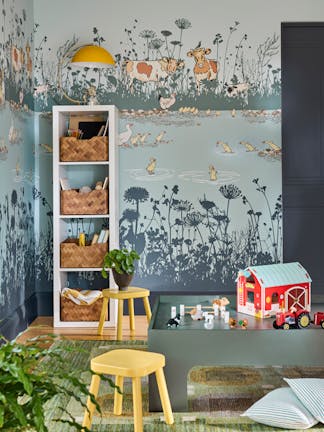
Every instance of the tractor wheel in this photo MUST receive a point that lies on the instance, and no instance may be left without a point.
(322, 324)
(303, 320)
(286, 326)
(275, 325)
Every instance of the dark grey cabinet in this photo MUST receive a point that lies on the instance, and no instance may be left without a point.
(302, 59)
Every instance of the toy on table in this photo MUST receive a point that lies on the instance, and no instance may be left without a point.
(232, 322)
(174, 321)
(297, 319)
(196, 314)
(209, 321)
(243, 324)
(264, 290)
(221, 303)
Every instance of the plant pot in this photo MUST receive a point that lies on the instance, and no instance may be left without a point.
(122, 280)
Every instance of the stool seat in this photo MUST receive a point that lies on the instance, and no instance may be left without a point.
(130, 292)
(127, 363)
(133, 364)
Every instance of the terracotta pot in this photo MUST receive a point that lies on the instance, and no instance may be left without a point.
(122, 280)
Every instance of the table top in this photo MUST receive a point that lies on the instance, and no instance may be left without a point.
(162, 313)
(131, 292)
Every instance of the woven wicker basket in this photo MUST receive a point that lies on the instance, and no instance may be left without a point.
(76, 150)
(75, 256)
(94, 202)
(70, 311)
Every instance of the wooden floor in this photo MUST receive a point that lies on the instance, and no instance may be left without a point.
(44, 326)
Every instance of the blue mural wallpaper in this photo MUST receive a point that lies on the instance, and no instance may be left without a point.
(199, 139)
(17, 219)
(199, 134)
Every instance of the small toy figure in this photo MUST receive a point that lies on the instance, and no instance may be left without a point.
(174, 321)
(243, 323)
(209, 322)
(232, 323)
(221, 301)
(196, 314)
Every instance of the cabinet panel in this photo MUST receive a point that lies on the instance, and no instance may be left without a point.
(303, 147)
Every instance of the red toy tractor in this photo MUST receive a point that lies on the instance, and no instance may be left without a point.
(297, 319)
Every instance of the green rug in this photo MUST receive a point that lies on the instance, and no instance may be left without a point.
(216, 395)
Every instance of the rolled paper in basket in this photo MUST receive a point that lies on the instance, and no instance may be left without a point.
(82, 239)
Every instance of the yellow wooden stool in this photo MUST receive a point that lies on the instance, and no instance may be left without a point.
(130, 294)
(133, 364)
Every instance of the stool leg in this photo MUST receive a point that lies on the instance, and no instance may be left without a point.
(137, 404)
(164, 396)
(94, 388)
(131, 314)
(147, 308)
(118, 398)
(120, 320)
(102, 315)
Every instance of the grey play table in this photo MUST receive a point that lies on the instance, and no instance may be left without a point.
(191, 345)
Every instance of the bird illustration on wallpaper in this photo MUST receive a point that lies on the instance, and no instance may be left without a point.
(249, 147)
(226, 148)
(167, 102)
(124, 136)
(14, 135)
(212, 173)
(3, 150)
(151, 166)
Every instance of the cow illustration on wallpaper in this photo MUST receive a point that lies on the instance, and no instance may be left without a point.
(204, 69)
(151, 71)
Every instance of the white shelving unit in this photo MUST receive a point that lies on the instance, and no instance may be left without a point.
(61, 116)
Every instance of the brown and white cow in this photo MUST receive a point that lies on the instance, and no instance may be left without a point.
(151, 70)
(204, 69)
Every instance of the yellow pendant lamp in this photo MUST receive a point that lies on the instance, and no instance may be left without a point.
(92, 56)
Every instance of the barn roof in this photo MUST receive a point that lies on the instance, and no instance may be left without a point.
(280, 274)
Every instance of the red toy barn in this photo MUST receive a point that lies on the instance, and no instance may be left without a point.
(264, 290)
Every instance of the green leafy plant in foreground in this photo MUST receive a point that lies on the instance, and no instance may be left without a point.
(121, 260)
(27, 382)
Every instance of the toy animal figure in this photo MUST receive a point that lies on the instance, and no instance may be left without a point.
(232, 323)
(196, 314)
(151, 166)
(212, 173)
(174, 321)
(221, 302)
(243, 323)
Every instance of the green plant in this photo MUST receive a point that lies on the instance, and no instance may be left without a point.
(121, 260)
(26, 384)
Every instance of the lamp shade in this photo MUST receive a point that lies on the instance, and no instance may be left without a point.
(92, 56)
